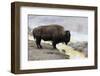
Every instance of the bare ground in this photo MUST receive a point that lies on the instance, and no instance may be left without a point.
(46, 53)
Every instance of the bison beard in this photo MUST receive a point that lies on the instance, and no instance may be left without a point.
(54, 33)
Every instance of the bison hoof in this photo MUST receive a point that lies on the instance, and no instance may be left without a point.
(39, 47)
(54, 48)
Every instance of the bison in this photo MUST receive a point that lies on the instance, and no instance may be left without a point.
(54, 33)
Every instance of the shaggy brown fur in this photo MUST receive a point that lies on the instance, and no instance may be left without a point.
(54, 33)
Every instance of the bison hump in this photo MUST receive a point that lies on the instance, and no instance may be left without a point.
(49, 30)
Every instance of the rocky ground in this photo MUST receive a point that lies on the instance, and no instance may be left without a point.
(47, 53)
(71, 51)
(80, 47)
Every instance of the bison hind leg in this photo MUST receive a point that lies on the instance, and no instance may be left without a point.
(40, 46)
(54, 45)
(38, 41)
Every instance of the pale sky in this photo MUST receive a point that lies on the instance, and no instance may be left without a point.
(72, 23)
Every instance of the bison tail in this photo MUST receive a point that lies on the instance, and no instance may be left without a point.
(33, 34)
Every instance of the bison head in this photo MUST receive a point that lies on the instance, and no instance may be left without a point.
(67, 36)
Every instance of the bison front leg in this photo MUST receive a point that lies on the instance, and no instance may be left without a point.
(66, 43)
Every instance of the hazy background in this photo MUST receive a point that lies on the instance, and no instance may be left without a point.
(77, 47)
(78, 26)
